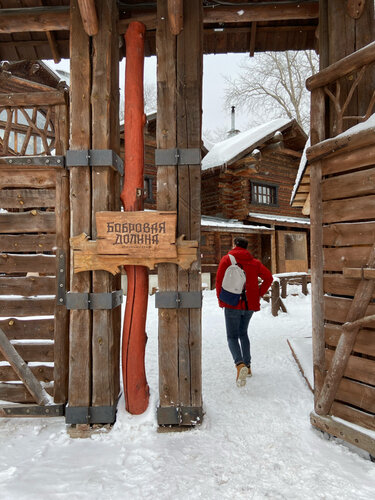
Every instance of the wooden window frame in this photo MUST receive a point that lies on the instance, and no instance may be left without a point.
(273, 193)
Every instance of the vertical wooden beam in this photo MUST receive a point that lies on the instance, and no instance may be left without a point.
(166, 138)
(175, 16)
(89, 16)
(61, 328)
(179, 125)
(104, 107)
(316, 247)
(253, 35)
(189, 123)
(80, 206)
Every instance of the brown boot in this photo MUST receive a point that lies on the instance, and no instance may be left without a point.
(242, 371)
(249, 374)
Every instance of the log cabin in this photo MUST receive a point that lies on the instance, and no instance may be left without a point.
(249, 177)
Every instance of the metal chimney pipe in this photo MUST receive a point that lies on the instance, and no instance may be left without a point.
(233, 119)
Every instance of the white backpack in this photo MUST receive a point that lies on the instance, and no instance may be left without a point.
(233, 283)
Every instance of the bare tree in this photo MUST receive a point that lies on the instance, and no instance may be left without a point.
(149, 93)
(272, 84)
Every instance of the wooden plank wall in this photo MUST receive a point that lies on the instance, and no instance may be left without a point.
(348, 236)
(28, 240)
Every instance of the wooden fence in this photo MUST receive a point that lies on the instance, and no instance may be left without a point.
(34, 223)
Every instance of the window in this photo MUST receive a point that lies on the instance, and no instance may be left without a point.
(264, 194)
(147, 186)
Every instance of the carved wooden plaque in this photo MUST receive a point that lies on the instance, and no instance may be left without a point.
(141, 234)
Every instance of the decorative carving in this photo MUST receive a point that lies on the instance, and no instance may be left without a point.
(27, 130)
(340, 109)
(86, 256)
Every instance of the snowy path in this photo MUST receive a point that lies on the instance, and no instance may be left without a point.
(255, 443)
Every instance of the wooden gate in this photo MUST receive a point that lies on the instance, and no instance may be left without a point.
(343, 248)
(34, 228)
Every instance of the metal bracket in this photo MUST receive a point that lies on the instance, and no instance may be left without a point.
(94, 158)
(75, 300)
(90, 414)
(178, 300)
(47, 161)
(181, 415)
(94, 301)
(25, 410)
(61, 277)
(176, 156)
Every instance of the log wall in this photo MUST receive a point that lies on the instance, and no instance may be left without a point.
(229, 196)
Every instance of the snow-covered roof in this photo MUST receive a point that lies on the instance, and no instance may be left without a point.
(301, 170)
(223, 152)
(280, 218)
(229, 223)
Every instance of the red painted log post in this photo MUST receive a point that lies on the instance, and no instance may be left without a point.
(134, 337)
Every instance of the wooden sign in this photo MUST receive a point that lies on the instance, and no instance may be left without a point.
(140, 234)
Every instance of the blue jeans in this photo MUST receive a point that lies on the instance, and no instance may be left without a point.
(237, 322)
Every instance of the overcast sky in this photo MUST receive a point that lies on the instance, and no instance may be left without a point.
(215, 67)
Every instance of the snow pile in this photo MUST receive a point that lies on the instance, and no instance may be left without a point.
(255, 442)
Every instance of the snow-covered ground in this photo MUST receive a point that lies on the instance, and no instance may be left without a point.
(256, 442)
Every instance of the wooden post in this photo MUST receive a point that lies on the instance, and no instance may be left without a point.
(136, 390)
(304, 285)
(62, 211)
(80, 207)
(273, 252)
(316, 247)
(275, 298)
(284, 285)
(105, 390)
(179, 125)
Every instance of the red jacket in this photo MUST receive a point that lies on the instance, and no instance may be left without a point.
(253, 269)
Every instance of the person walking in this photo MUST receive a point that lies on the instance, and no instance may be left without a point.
(237, 317)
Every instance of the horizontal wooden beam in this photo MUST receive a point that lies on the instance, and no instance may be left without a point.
(34, 19)
(33, 99)
(336, 145)
(359, 272)
(251, 13)
(57, 18)
(341, 68)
